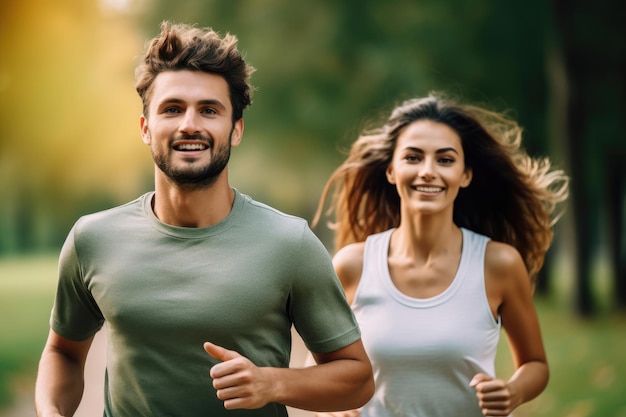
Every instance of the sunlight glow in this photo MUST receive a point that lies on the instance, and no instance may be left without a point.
(115, 5)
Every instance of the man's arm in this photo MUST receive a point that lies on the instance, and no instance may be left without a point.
(341, 380)
(60, 378)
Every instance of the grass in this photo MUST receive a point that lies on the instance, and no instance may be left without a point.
(587, 357)
(26, 295)
(587, 365)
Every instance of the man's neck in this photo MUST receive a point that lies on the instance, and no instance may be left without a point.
(202, 207)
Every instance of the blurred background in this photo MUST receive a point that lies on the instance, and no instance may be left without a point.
(70, 144)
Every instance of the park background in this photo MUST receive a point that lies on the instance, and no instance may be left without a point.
(70, 144)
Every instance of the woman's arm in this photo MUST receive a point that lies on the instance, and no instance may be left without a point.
(510, 291)
(348, 264)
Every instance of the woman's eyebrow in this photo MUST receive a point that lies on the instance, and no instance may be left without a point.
(420, 150)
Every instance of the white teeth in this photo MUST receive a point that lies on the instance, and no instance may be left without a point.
(191, 147)
(429, 189)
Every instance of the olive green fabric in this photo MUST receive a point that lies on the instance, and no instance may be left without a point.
(162, 291)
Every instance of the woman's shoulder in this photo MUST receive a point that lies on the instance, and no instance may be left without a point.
(349, 256)
(505, 270)
(348, 263)
(502, 257)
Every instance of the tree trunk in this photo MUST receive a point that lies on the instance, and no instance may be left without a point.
(616, 211)
(574, 125)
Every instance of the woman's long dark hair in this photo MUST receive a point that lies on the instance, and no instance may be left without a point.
(512, 198)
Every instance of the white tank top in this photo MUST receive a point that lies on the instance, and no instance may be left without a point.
(425, 351)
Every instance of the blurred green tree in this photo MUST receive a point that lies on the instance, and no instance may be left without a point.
(68, 138)
(67, 107)
(590, 53)
(325, 66)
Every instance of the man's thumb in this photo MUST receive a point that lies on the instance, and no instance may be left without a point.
(219, 352)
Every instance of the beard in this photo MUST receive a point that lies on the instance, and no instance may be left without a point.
(196, 177)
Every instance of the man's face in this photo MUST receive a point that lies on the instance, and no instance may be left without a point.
(189, 127)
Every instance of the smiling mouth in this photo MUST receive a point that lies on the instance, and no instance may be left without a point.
(429, 189)
(191, 147)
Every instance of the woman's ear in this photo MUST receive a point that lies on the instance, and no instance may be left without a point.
(389, 175)
(467, 177)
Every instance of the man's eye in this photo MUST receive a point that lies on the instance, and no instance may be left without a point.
(171, 110)
(209, 110)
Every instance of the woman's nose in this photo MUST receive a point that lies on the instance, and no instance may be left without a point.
(427, 169)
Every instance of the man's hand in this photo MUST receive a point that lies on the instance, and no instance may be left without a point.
(239, 383)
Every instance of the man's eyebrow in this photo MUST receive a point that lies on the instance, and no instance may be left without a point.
(207, 102)
(212, 102)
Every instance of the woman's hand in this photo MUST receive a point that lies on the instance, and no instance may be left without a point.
(494, 395)
(348, 413)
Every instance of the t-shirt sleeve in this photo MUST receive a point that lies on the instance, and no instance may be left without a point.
(321, 313)
(75, 314)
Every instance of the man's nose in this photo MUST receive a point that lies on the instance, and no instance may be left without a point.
(190, 123)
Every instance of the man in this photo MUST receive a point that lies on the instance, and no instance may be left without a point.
(198, 284)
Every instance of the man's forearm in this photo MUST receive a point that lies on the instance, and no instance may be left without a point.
(338, 385)
(59, 385)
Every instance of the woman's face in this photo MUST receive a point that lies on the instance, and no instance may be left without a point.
(428, 167)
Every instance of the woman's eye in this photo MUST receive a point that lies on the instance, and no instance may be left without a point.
(446, 160)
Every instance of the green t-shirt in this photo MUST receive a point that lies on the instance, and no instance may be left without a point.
(163, 290)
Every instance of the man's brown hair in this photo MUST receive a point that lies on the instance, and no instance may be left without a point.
(184, 47)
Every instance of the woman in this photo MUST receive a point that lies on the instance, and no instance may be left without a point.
(442, 222)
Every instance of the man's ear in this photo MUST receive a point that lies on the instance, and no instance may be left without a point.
(237, 133)
(468, 175)
(145, 132)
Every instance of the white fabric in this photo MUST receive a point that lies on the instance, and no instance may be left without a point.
(426, 351)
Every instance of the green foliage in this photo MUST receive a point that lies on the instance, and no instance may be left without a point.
(68, 114)
(324, 66)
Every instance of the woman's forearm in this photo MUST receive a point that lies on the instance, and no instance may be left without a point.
(528, 381)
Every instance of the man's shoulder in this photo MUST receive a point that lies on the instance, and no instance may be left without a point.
(265, 210)
(111, 217)
(270, 222)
